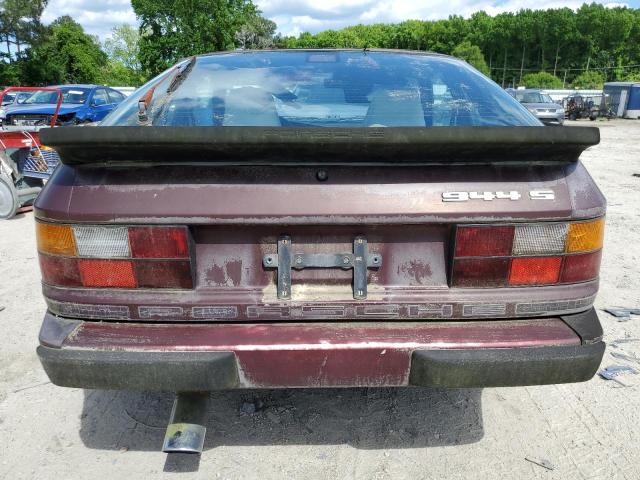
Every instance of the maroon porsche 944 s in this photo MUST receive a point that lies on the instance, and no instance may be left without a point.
(318, 218)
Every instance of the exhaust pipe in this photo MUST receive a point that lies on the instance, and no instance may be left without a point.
(186, 430)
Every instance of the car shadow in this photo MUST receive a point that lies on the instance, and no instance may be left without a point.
(365, 418)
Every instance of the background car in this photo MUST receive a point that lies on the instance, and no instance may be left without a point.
(540, 104)
(80, 104)
(12, 98)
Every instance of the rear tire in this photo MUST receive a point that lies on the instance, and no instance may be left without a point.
(9, 201)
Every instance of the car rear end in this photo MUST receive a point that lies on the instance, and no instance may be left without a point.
(268, 256)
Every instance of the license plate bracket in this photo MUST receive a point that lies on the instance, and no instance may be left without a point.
(359, 260)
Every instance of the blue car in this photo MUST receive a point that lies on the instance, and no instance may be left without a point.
(80, 104)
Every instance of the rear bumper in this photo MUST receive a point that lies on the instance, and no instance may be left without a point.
(224, 356)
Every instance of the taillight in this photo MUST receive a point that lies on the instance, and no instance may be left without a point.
(115, 256)
(527, 254)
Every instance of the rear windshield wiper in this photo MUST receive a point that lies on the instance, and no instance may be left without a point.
(181, 76)
(144, 104)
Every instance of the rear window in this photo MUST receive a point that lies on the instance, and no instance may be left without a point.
(323, 89)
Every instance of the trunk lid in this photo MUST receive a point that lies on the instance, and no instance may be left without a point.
(237, 212)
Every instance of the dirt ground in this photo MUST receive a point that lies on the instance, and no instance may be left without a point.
(589, 430)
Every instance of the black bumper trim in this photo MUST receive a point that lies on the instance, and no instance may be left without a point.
(586, 325)
(204, 371)
(505, 367)
(131, 370)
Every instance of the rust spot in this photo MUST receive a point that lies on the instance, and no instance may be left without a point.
(234, 271)
(416, 270)
(217, 275)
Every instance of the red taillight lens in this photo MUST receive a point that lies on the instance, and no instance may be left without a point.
(60, 271)
(106, 256)
(580, 268)
(483, 272)
(484, 241)
(159, 242)
(107, 273)
(535, 271)
(160, 274)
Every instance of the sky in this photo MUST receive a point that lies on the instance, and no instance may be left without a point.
(296, 16)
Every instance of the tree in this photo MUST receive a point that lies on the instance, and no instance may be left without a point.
(590, 80)
(173, 29)
(123, 51)
(66, 54)
(258, 32)
(541, 80)
(472, 55)
(19, 25)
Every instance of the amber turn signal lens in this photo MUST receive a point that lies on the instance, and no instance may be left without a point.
(55, 239)
(585, 236)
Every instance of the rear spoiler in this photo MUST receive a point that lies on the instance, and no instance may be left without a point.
(283, 145)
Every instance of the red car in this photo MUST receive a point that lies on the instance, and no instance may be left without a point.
(318, 219)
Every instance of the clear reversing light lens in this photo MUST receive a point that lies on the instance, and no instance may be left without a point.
(102, 242)
(540, 239)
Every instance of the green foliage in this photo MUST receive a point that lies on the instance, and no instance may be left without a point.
(541, 80)
(123, 67)
(174, 29)
(472, 55)
(65, 54)
(584, 47)
(559, 41)
(631, 77)
(19, 26)
(258, 32)
(9, 74)
(590, 80)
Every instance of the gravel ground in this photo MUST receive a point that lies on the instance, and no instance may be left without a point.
(589, 430)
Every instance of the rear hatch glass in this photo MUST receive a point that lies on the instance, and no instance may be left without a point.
(323, 89)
